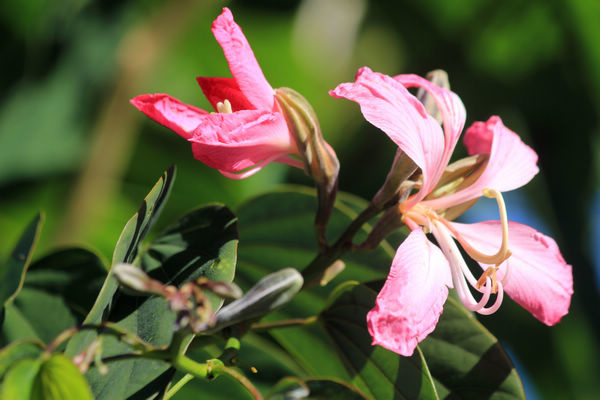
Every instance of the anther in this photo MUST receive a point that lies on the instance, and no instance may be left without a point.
(224, 107)
(488, 273)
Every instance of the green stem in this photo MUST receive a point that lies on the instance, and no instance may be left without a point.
(241, 379)
(314, 271)
(263, 326)
(176, 387)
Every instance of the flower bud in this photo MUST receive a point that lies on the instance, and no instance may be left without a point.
(320, 161)
(136, 280)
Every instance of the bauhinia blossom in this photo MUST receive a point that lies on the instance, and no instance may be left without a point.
(515, 258)
(248, 131)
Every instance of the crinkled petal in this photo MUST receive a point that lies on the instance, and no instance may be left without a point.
(412, 299)
(451, 108)
(242, 63)
(170, 112)
(511, 164)
(218, 90)
(537, 277)
(240, 140)
(389, 106)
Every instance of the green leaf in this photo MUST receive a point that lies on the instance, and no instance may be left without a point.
(379, 373)
(138, 226)
(466, 360)
(19, 380)
(12, 273)
(57, 292)
(126, 250)
(16, 352)
(59, 379)
(289, 388)
(202, 243)
(332, 389)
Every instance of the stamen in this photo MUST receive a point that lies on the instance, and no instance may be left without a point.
(497, 303)
(224, 107)
(461, 274)
(503, 253)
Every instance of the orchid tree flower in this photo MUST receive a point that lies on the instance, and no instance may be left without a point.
(248, 130)
(515, 258)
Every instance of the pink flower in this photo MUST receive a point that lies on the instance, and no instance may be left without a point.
(247, 131)
(515, 258)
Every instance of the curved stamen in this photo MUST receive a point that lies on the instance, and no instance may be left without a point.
(458, 269)
(497, 303)
(503, 252)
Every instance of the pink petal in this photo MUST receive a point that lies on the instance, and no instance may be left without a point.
(170, 112)
(240, 140)
(389, 106)
(242, 63)
(538, 277)
(220, 89)
(511, 165)
(450, 106)
(412, 299)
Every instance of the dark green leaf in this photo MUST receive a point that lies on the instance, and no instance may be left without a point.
(466, 360)
(332, 389)
(379, 373)
(12, 273)
(58, 291)
(19, 380)
(17, 351)
(59, 379)
(289, 388)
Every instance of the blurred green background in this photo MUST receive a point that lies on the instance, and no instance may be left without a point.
(72, 146)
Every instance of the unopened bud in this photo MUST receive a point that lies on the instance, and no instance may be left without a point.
(320, 161)
(270, 293)
(136, 280)
(225, 290)
(332, 271)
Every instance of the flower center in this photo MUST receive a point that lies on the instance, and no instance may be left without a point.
(224, 107)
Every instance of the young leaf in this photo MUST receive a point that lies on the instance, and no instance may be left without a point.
(19, 380)
(138, 226)
(16, 352)
(59, 379)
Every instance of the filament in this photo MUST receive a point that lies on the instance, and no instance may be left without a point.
(504, 252)
(461, 274)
